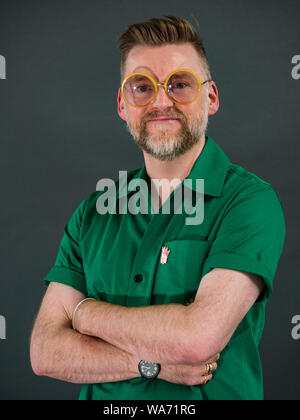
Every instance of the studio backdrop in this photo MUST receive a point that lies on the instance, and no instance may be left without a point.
(60, 134)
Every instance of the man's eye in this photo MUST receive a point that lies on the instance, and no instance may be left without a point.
(179, 85)
(143, 88)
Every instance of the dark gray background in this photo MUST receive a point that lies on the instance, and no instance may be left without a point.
(60, 133)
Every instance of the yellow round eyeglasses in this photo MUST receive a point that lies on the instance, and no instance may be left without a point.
(182, 87)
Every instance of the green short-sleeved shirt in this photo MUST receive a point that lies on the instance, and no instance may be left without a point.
(117, 258)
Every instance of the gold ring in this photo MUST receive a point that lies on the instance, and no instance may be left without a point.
(205, 380)
(209, 368)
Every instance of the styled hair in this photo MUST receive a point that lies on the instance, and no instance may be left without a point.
(159, 31)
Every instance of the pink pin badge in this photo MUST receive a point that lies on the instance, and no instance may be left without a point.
(164, 255)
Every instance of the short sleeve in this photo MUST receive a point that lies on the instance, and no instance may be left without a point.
(68, 267)
(251, 235)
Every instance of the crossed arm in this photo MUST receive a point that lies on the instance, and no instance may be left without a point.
(175, 333)
(111, 339)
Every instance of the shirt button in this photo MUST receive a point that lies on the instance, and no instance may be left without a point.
(138, 278)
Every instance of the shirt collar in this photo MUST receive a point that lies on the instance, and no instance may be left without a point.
(211, 165)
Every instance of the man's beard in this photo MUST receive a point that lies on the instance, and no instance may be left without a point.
(163, 145)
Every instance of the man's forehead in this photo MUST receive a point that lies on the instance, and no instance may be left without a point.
(162, 60)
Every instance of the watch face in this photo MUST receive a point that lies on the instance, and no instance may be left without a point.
(148, 369)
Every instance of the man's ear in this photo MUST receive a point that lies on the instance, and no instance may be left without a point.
(213, 99)
(121, 110)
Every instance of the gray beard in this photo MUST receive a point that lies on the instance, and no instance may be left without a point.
(161, 145)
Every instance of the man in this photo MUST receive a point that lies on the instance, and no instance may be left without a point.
(165, 297)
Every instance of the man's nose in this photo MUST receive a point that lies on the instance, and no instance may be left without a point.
(162, 100)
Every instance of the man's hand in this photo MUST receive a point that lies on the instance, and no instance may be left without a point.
(188, 374)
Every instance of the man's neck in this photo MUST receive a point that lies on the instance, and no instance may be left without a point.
(177, 169)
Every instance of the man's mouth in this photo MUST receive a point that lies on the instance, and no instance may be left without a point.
(163, 120)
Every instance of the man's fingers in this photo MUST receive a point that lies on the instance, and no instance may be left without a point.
(213, 367)
(206, 379)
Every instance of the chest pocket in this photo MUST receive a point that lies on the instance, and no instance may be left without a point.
(177, 280)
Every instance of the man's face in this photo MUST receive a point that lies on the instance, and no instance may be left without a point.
(164, 129)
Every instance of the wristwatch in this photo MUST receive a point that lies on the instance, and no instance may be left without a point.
(149, 370)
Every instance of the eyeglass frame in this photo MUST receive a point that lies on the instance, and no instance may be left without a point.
(165, 86)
